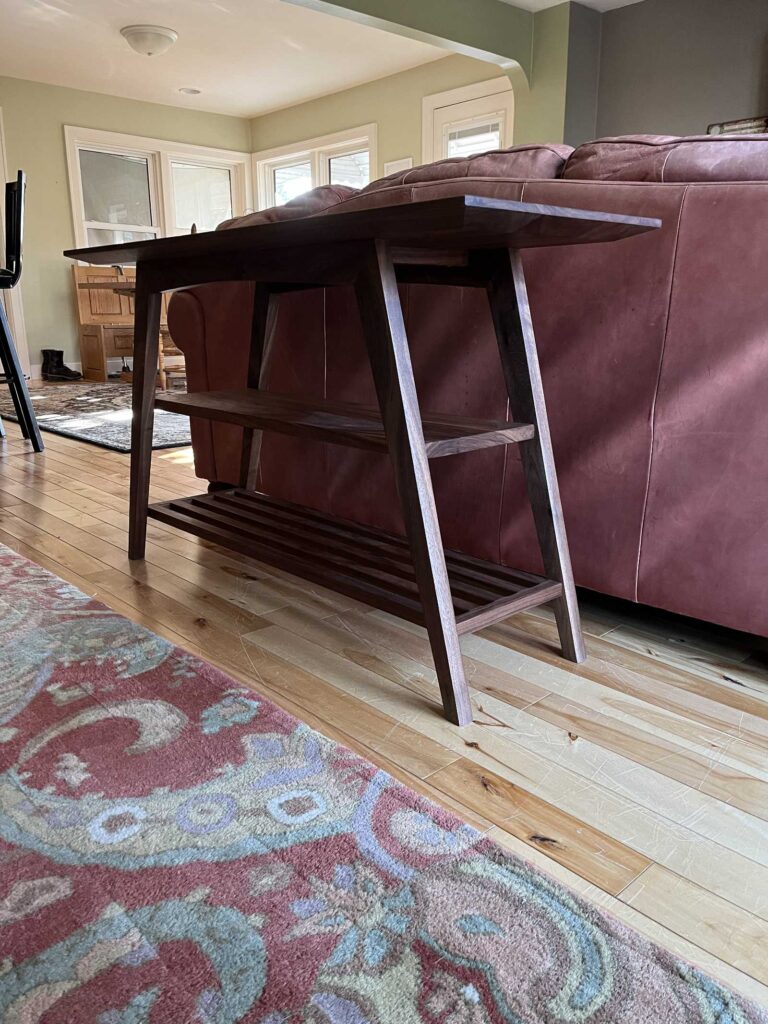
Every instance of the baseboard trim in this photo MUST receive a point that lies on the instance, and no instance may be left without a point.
(113, 366)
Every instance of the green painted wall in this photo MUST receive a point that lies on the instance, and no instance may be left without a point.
(540, 113)
(34, 116)
(394, 103)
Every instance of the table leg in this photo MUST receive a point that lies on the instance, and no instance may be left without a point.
(519, 358)
(145, 349)
(263, 324)
(387, 343)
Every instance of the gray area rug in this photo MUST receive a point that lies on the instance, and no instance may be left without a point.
(97, 413)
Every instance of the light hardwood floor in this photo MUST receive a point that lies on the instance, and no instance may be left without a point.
(640, 778)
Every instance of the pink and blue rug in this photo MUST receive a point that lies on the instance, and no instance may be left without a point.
(174, 848)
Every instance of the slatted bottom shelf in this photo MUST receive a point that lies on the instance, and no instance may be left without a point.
(367, 564)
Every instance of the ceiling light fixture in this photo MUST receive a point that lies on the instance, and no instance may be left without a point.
(150, 40)
(189, 91)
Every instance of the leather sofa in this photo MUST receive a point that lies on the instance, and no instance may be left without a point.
(654, 353)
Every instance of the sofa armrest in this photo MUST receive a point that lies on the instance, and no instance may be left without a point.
(197, 319)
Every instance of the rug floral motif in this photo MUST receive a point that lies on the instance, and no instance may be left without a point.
(175, 848)
(97, 413)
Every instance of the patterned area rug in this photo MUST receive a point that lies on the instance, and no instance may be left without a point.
(174, 848)
(97, 413)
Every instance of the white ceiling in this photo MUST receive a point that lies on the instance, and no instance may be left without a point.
(599, 5)
(246, 56)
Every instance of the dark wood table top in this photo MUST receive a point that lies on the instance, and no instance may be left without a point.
(456, 222)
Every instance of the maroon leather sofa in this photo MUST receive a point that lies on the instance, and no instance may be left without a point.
(654, 353)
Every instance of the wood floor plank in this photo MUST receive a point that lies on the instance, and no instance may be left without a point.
(624, 669)
(591, 854)
(728, 932)
(711, 665)
(520, 676)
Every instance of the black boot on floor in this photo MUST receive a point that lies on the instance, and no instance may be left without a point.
(54, 368)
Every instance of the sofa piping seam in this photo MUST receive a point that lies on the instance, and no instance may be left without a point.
(656, 396)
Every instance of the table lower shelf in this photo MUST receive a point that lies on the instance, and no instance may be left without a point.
(361, 562)
(343, 423)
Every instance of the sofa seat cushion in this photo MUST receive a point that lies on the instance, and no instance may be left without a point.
(317, 201)
(669, 158)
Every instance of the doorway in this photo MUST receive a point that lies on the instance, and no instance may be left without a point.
(473, 119)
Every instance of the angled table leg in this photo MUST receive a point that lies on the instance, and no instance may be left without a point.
(17, 385)
(263, 324)
(390, 359)
(146, 335)
(519, 358)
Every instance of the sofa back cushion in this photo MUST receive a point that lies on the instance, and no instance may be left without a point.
(669, 158)
(519, 162)
(316, 201)
(498, 174)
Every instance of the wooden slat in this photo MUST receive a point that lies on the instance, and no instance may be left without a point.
(369, 565)
(475, 568)
(355, 426)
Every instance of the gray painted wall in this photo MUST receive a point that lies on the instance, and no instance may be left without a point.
(675, 66)
(583, 74)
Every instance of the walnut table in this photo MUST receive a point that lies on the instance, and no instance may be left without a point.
(463, 240)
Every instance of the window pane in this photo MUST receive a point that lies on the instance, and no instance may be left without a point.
(115, 188)
(201, 196)
(478, 138)
(102, 236)
(292, 181)
(353, 169)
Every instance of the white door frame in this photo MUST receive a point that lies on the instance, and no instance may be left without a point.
(496, 92)
(14, 309)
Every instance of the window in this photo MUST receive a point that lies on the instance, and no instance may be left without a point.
(202, 195)
(345, 158)
(125, 188)
(353, 169)
(117, 203)
(462, 122)
(290, 181)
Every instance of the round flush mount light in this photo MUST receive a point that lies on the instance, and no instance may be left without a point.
(187, 90)
(150, 40)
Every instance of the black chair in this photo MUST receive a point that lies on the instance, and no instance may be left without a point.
(9, 277)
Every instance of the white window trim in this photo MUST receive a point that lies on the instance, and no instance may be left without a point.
(317, 151)
(159, 154)
(11, 297)
(498, 92)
